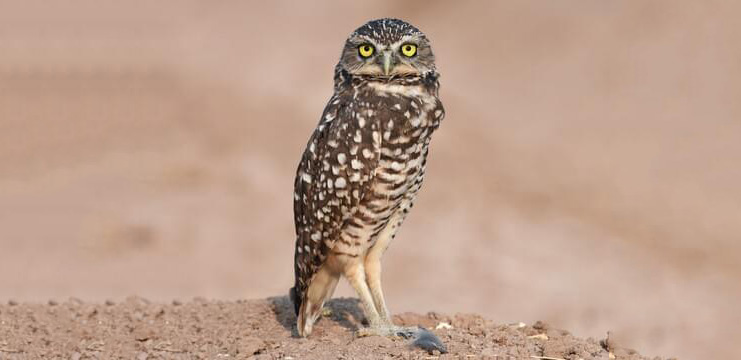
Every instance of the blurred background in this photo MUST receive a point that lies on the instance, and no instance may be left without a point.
(587, 173)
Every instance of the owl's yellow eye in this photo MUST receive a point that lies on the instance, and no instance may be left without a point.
(365, 50)
(409, 50)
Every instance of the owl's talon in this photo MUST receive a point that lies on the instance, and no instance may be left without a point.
(421, 337)
(407, 332)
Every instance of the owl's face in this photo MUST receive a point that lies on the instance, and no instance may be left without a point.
(386, 48)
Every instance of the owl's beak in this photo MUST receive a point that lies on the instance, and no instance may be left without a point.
(387, 62)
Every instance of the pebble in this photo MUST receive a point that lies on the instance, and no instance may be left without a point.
(200, 300)
(75, 301)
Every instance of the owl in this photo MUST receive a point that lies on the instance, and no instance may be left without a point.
(362, 168)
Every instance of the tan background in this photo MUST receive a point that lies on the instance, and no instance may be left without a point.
(587, 173)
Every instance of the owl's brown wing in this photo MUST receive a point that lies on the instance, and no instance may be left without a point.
(335, 173)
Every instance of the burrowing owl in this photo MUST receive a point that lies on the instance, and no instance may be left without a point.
(363, 167)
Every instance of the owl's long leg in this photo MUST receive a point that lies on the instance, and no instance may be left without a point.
(420, 337)
(373, 279)
(373, 266)
(321, 288)
(355, 274)
(372, 271)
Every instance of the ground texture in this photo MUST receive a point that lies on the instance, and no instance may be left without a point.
(263, 329)
(586, 174)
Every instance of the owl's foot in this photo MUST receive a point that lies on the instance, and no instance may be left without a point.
(387, 331)
(421, 337)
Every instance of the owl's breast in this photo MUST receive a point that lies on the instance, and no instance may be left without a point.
(401, 121)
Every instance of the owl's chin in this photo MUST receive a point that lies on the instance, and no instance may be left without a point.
(384, 77)
(397, 72)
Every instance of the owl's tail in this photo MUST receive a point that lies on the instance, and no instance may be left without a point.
(295, 299)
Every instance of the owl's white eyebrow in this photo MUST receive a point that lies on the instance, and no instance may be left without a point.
(365, 39)
(404, 40)
(409, 38)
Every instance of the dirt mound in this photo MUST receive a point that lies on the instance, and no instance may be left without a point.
(263, 329)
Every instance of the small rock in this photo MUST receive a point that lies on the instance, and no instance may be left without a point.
(143, 334)
(200, 300)
(251, 345)
(488, 352)
(110, 302)
(538, 336)
(12, 302)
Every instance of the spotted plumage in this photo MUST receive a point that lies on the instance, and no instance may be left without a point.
(363, 166)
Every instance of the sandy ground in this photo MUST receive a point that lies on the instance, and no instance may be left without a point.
(263, 329)
(586, 173)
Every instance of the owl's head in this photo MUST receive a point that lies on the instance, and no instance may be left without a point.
(386, 48)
